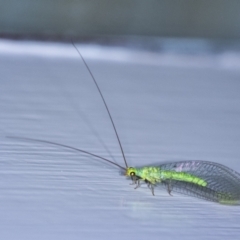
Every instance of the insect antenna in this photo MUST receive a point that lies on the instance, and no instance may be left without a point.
(109, 114)
(66, 146)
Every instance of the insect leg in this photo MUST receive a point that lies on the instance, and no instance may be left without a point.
(169, 188)
(135, 181)
(137, 184)
(168, 185)
(150, 186)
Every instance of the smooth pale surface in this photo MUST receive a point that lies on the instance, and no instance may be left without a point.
(166, 107)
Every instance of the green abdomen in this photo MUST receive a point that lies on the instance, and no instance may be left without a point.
(182, 176)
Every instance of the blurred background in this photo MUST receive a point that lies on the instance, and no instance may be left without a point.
(60, 19)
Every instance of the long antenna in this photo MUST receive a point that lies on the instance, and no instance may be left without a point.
(109, 114)
(66, 146)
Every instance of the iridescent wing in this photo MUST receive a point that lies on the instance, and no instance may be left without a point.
(223, 183)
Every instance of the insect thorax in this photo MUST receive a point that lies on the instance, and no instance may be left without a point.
(151, 174)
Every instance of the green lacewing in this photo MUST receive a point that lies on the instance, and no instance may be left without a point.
(203, 179)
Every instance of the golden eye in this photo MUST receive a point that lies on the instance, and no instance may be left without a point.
(132, 173)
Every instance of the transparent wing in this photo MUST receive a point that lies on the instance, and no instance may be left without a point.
(223, 183)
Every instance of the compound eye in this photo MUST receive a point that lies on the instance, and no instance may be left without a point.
(132, 174)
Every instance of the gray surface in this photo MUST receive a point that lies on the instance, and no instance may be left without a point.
(60, 18)
(164, 108)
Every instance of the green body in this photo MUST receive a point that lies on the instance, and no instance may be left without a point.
(155, 175)
(207, 180)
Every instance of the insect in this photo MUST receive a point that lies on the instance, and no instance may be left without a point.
(207, 180)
